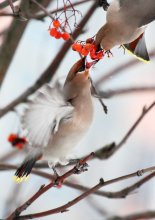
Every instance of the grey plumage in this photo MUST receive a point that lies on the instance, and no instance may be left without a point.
(126, 22)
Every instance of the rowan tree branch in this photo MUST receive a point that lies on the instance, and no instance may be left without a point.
(80, 167)
(108, 150)
(5, 4)
(41, 16)
(125, 91)
(136, 216)
(112, 195)
(65, 207)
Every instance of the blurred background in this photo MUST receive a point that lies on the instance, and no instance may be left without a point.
(35, 51)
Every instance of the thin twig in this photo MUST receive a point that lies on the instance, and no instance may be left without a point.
(111, 93)
(43, 9)
(65, 207)
(112, 195)
(109, 150)
(12, 6)
(5, 3)
(80, 167)
(41, 16)
(136, 216)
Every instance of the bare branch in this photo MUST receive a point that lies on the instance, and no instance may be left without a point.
(41, 16)
(12, 6)
(5, 4)
(136, 216)
(75, 170)
(112, 195)
(111, 93)
(109, 150)
(43, 9)
(65, 207)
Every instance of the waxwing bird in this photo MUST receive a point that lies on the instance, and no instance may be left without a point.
(57, 119)
(126, 21)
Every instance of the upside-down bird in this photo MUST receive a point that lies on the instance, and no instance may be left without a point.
(126, 21)
(57, 119)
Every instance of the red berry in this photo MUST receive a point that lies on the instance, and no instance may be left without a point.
(19, 145)
(90, 40)
(58, 35)
(74, 46)
(84, 52)
(100, 55)
(56, 23)
(93, 48)
(23, 140)
(88, 46)
(12, 137)
(66, 36)
(93, 55)
(53, 32)
(77, 47)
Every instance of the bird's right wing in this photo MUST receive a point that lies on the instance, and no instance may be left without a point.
(142, 12)
(43, 115)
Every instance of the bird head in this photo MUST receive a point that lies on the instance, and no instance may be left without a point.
(77, 81)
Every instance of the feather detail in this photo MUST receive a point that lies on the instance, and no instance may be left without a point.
(43, 115)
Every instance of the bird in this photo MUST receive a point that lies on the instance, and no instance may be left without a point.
(126, 22)
(56, 120)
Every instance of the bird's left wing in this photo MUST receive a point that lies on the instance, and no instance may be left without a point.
(42, 117)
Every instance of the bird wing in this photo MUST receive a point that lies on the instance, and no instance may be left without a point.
(43, 115)
(138, 48)
(140, 12)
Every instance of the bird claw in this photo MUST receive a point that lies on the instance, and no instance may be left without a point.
(109, 53)
(80, 168)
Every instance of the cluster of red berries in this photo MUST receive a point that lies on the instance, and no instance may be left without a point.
(56, 32)
(17, 141)
(88, 47)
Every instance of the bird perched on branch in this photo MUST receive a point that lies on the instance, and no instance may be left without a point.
(126, 24)
(57, 119)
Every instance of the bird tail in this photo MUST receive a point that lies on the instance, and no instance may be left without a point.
(25, 169)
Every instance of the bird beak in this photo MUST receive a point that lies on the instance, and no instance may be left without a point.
(90, 64)
(79, 66)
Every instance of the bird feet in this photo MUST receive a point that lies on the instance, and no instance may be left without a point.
(80, 168)
(109, 53)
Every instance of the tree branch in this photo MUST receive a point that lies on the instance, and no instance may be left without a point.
(80, 167)
(109, 150)
(112, 195)
(136, 216)
(65, 207)
(116, 92)
(5, 4)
